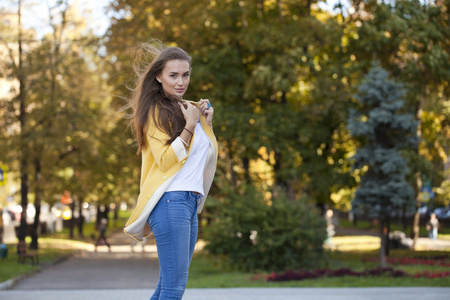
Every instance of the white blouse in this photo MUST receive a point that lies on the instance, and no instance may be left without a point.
(190, 177)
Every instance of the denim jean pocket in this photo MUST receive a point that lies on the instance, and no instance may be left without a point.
(181, 207)
(175, 196)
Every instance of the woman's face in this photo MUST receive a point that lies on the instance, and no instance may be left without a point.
(175, 77)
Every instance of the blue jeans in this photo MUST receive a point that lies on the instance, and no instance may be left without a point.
(433, 233)
(175, 226)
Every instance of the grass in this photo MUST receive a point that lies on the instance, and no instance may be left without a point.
(206, 271)
(10, 268)
(365, 225)
(356, 243)
(211, 272)
(444, 236)
(88, 231)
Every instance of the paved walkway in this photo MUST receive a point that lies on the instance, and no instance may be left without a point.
(90, 270)
(240, 294)
(122, 274)
(104, 268)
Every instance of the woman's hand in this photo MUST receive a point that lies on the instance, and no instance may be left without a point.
(190, 113)
(207, 111)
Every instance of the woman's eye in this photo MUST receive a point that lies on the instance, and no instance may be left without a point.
(186, 75)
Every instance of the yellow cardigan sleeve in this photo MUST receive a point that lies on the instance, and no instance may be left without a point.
(165, 156)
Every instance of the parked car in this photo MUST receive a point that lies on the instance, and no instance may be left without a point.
(442, 213)
(425, 211)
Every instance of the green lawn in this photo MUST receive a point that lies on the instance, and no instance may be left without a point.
(10, 268)
(444, 236)
(210, 272)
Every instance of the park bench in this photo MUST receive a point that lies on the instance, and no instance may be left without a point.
(23, 254)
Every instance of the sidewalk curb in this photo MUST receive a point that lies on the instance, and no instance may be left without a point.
(8, 284)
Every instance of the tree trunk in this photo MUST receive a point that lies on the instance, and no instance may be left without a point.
(246, 166)
(416, 219)
(230, 165)
(404, 219)
(80, 217)
(355, 220)
(98, 217)
(280, 183)
(418, 183)
(72, 219)
(116, 213)
(24, 197)
(37, 203)
(383, 245)
(23, 133)
(1, 226)
(387, 231)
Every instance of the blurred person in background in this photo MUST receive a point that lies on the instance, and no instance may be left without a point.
(432, 226)
(330, 227)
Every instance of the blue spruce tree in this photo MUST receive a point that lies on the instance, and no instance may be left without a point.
(384, 128)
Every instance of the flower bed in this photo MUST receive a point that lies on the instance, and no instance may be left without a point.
(428, 274)
(290, 275)
(437, 261)
(301, 275)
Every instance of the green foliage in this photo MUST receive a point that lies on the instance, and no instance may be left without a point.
(10, 268)
(280, 75)
(410, 39)
(386, 129)
(269, 89)
(258, 236)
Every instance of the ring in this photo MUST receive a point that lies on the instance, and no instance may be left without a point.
(209, 105)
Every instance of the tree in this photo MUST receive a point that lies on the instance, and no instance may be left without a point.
(44, 60)
(410, 38)
(384, 129)
(68, 116)
(265, 84)
(15, 41)
(281, 74)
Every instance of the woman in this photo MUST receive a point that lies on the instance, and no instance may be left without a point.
(432, 226)
(179, 156)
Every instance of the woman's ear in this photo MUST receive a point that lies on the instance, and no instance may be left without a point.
(158, 78)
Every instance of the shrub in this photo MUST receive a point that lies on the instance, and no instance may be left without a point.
(258, 236)
(302, 275)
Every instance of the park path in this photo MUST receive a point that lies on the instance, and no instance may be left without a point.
(423, 243)
(414, 293)
(87, 269)
(125, 275)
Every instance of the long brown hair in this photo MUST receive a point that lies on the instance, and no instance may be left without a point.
(150, 100)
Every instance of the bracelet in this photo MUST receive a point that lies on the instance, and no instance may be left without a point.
(188, 131)
(184, 142)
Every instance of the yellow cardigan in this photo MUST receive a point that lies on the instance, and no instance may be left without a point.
(160, 162)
